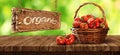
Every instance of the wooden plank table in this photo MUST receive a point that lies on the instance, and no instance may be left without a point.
(46, 45)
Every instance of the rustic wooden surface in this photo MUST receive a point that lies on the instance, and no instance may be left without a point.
(48, 44)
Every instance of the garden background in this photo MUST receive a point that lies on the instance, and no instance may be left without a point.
(67, 9)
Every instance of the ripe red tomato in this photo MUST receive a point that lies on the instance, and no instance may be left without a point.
(101, 20)
(70, 39)
(77, 19)
(86, 26)
(90, 16)
(60, 40)
(96, 22)
(81, 25)
(84, 18)
(68, 42)
(90, 20)
(91, 25)
(76, 24)
(71, 36)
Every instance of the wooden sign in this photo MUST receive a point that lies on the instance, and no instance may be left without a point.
(31, 20)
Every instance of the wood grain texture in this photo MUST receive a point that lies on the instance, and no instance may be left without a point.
(48, 44)
(24, 19)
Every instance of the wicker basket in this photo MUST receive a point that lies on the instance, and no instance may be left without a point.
(91, 36)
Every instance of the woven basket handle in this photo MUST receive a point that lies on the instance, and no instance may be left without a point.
(103, 14)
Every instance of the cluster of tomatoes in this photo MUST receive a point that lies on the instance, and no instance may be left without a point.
(68, 39)
(89, 21)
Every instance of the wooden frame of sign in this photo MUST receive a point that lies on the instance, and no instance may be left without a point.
(32, 20)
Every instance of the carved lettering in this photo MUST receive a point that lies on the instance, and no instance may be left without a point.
(37, 20)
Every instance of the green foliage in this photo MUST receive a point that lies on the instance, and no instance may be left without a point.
(67, 9)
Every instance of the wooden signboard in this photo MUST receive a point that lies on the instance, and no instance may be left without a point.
(31, 20)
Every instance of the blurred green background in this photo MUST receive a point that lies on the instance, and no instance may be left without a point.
(67, 9)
